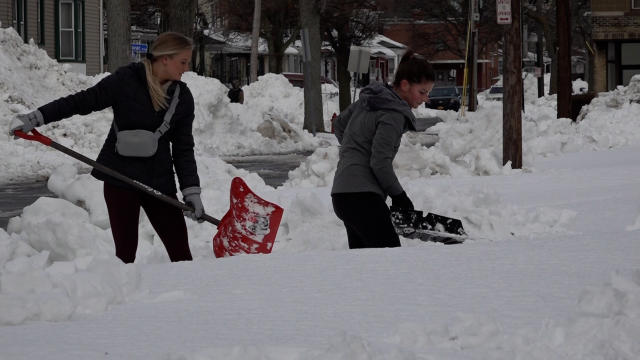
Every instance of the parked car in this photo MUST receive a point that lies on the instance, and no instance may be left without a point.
(495, 93)
(466, 101)
(297, 79)
(444, 98)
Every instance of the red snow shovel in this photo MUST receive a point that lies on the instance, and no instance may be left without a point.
(249, 227)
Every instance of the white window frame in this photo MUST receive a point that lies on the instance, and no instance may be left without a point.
(72, 29)
(635, 4)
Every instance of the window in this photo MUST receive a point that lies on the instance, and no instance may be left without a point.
(69, 30)
(635, 4)
(20, 18)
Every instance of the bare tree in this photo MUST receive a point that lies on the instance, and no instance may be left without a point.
(449, 21)
(119, 35)
(179, 15)
(197, 58)
(279, 24)
(346, 23)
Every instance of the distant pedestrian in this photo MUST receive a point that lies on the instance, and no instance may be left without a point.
(236, 95)
(369, 132)
(150, 141)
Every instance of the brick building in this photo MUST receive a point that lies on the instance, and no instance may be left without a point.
(448, 64)
(616, 34)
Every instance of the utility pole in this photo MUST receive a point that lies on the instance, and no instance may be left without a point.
(473, 56)
(563, 23)
(512, 82)
(539, 48)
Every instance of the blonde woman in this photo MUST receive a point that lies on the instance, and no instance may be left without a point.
(150, 138)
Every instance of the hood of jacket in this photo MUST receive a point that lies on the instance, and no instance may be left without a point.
(378, 96)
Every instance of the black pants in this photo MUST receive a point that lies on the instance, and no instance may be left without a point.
(124, 205)
(367, 219)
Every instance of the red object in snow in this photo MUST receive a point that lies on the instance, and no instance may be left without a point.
(332, 119)
(250, 225)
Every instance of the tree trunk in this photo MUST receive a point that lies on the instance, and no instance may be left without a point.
(512, 83)
(255, 38)
(119, 33)
(563, 25)
(310, 24)
(540, 48)
(276, 52)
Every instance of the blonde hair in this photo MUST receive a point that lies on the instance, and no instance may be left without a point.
(168, 43)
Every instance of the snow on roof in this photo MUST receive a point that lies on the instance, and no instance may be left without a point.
(386, 42)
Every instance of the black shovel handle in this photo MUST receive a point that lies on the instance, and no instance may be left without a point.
(138, 185)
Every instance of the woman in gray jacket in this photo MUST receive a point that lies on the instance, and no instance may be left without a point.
(369, 132)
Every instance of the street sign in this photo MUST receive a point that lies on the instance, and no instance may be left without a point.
(503, 12)
(139, 48)
(359, 60)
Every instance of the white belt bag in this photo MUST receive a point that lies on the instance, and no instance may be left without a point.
(144, 143)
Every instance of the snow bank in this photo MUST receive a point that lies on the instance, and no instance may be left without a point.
(48, 275)
(606, 325)
(270, 121)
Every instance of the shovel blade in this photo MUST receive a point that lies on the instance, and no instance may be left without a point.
(413, 224)
(250, 225)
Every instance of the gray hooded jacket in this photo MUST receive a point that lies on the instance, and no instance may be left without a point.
(369, 132)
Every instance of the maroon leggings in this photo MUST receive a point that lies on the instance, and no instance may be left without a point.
(124, 212)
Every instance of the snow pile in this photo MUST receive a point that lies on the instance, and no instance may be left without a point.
(580, 86)
(28, 79)
(270, 121)
(606, 325)
(53, 273)
(472, 145)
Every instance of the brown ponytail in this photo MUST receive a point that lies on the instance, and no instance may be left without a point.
(414, 68)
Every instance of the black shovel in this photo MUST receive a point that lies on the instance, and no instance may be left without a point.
(413, 224)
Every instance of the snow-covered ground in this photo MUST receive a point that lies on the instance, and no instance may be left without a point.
(551, 270)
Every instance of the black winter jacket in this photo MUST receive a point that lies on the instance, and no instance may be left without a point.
(126, 91)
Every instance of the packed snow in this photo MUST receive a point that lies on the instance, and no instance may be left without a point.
(550, 270)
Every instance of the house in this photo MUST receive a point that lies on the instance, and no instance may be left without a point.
(616, 35)
(70, 31)
(228, 56)
(385, 56)
(447, 64)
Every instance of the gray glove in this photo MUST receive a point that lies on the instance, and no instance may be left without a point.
(26, 122)
(191, 196)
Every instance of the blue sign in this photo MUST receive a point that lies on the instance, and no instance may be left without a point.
(139, 48)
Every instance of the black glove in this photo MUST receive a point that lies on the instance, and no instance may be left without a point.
(401, 201)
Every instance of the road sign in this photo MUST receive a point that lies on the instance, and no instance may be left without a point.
(359, 60)
(139, 48)
(503, 12)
